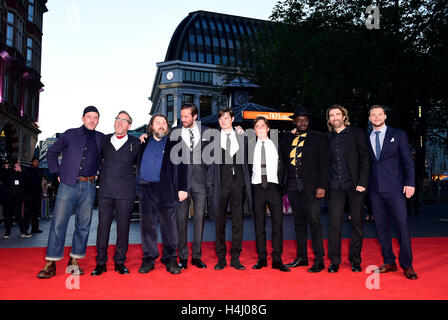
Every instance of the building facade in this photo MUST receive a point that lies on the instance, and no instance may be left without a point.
(20, 85)
(201, 43)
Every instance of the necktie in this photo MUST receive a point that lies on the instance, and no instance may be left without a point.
(377, 145)
(264, 177)
(191, 139)
(227, 153)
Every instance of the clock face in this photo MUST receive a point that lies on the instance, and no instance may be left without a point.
(169, 75)
(241, 97)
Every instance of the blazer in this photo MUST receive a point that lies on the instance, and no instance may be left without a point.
(358, 158)
(117, 176)
(215, 177)
(197, 173)
(316, 161)
(70, 145)
(173, 177)
(395, 168)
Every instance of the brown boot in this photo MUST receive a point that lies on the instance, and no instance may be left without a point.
(73, 267)
(48, 271)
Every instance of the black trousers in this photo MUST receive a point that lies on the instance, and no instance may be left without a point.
(197, 193)
(107, 209)
(235, 196)
(307, 213)
(32, 212)
(273, 198)
(337, 199)
(14, 208)
(153, 205)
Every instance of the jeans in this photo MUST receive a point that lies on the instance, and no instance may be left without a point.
(77, 199)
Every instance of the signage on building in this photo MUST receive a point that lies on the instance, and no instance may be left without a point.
(284, 116)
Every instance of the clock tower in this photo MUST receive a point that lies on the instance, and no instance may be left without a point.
(239, 91)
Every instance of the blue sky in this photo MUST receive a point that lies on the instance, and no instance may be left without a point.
(104, 53)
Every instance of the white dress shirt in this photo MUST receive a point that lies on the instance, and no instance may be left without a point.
(118, 143)
(234, 146)
(271, 162)
(373, 138)
(186, 135)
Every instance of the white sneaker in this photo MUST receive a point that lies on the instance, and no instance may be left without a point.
(25, 235)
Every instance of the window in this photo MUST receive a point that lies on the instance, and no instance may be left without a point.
(170, 108)
(14, 31)
(205, 103)
(29, 52)
(10, 29)
(31, 10)
(197, 76)
(187, 98)
(5, 87)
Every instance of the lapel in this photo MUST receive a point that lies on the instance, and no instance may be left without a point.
(372, 153)
(386, 143)
(350, 142)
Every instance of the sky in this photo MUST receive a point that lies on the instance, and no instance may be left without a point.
(104, 53)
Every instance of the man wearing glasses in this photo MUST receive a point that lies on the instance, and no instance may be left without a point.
(116, 192)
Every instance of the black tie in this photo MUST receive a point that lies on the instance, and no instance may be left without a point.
(264, 177)
(191, 139)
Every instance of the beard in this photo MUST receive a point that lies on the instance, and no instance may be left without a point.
(160, 133)
(378, 125)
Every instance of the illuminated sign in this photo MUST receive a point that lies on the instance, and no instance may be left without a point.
(283, 116)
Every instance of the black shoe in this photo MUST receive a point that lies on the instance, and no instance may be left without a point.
(316, 268)
(99, 269)
(172, 267)
(280, 266)
(356, 267)
(7, 234)
(221, 264)
(146, 267)
(183, 263)
(333, 268)
(36, 231)
(73, 267)
(235, 263)
(260, 264)
(121, 268)
(198, 263)
(297, 263)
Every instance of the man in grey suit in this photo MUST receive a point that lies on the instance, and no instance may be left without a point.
(192, 136)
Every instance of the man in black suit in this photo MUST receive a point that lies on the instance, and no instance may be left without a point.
(162, 185)
(349, 177)
(33, 196)
(191, 136)
(266, 178)
(119, 152)
(305, 158)
(231, 183)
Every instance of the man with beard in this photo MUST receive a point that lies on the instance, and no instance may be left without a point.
(349, 176)
(306, 161)
(392, 180)
(162, 185)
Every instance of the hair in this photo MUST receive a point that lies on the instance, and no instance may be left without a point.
(225, 110)
(266, 121)
(344, 113)
(126, 113)
(377, 106)
(191, 106)
(34, 158)
(151, 122)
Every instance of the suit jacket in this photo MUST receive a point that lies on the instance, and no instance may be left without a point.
(316, 161)
(173, 177)
(117, 177)
(198, 173)
(395, 168)
(70, 145)
(358, 158)
(215, 177)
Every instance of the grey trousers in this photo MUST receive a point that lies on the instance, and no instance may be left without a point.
(197, 193)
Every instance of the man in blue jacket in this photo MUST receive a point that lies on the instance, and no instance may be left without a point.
(80, 149)
(392, 180)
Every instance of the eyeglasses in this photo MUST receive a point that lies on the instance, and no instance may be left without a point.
(123, 120)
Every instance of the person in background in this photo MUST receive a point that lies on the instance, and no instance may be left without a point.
(33, 196)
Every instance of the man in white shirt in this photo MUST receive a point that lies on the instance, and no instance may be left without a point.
(266, 190)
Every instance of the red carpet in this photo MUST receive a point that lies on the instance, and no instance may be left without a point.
(19, 267)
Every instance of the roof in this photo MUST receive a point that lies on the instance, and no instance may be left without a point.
(210, 37)
(238, 113)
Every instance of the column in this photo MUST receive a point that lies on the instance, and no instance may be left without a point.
(164, 107)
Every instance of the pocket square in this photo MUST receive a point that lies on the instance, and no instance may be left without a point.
(392, 140)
